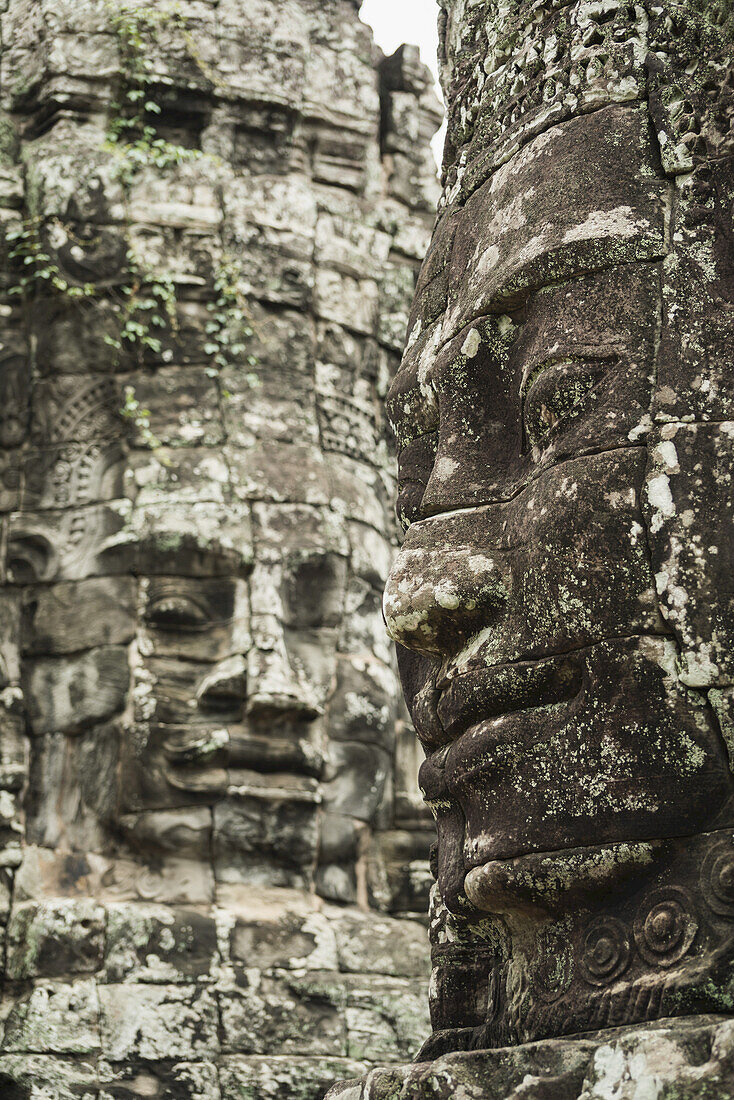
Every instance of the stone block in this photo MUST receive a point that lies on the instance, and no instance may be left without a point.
(271, 1077)
(689, 517)
(272, 1017)
(347, 300)
(68, 694)
(136, 1080)
(277, 929)
(83, 767)
(52, 623)
(400, 876)
(356, 779)
(9, 638)
(55, 939)
(178, 475)
(69, 544)
(62, 476)
(156, 944)
(185, 403)
(269, 837)
(363, 705)
(157, 1022)
(396, 288)
(368, 943)
(14, 745)
(56, 1018)
(38, 1076)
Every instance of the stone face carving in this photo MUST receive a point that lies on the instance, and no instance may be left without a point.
(215, 221)
(562, 599)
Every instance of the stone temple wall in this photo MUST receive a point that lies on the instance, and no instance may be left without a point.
(214, 857)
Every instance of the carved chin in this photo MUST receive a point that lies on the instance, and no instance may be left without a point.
(555, 881)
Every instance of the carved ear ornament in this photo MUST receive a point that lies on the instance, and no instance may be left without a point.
(666, 926)
(717, 878)
(663, 932)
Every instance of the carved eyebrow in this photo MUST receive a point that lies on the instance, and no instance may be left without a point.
(216, 561)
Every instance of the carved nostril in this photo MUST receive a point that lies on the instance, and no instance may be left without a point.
(224, 690)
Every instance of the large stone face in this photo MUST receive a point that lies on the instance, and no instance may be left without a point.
(563, 597)
(215, 215)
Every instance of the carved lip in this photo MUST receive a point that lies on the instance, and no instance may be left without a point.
(551, 875)
(469, 698)
(194, 751)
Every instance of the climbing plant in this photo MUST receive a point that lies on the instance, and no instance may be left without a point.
(145, 303)
(228, 328)
(132, 131)
(33, 265)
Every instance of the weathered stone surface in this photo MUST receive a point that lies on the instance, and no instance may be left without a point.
(55, 1017)
(159, 944)
(38, 1076)
(155, 1022)
(562, 600)
(682, 1059)
(66, 695)
(49, 941)
(271, 1076)
(52, 622)
(214, 217)
(689, 503)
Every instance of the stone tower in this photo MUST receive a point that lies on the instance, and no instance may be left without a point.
(215, 211)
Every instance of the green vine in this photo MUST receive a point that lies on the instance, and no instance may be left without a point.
(146, 305)
(132, 131)
(228, 327)
(35, 266)
(140, 417)
(148, 308)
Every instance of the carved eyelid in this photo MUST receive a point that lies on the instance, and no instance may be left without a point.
(537, 369)
(178, 607)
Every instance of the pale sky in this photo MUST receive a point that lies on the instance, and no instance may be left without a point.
(414, 21)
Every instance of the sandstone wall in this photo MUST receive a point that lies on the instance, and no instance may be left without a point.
(215, 210)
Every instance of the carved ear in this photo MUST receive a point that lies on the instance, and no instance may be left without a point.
(31, 557)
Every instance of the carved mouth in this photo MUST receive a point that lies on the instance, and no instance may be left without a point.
(197, 759)
(469, 698)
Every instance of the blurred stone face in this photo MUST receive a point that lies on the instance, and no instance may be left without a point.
(242, 671)
(231, 685)
(562, 597)
(213, 218)
(198, 474)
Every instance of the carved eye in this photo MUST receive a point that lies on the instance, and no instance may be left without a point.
(554, 392)
(176, 614)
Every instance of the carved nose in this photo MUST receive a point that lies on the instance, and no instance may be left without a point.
(224, 690)
(437, 599)
(277, 692)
